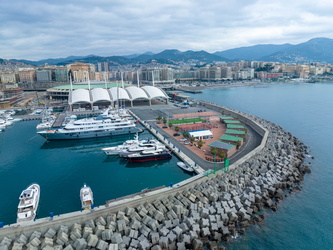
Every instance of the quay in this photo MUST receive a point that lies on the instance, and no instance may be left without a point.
(204, 209)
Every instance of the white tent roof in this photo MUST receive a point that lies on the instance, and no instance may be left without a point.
(80, 95)
(136, 93)
(201, 133)
(115, 91)
(154, 92)
(100, 94)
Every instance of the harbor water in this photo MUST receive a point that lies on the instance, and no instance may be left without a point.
(62, 167)
(304, 218)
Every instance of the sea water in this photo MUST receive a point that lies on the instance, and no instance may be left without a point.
(304, 219)
(62, 167)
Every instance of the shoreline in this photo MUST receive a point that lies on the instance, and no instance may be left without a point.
(216, 208)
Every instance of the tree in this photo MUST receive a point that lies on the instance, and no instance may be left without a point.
(200, 144)
(192, 138)
(159, 118)
(170, 125)
(213, 150)
(222, 154)
(238, 144)
(164, 120)
(177, 129)
(186, 134)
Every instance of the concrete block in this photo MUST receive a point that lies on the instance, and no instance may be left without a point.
(86, 232)
(158, 215)
(129, 211)
(181, 246)
(121, 225)
(62, 238)
(6, 241)
(102, 245)
(106, 234)
(156, 247)
(144, 244)
(17, 246)
(197, 244)
(177, 231)
(204, 222)
(185, 238)
(116, 238)
(168, 224)
(164, 231)
(76, 226)
(68, 247)
(47, 242)
(75, 234)
(35, 234)
(164, 242)
(90, 223)
(63, 228)
(3, 247)
(35, 242)
(134, 224)
(111, 217)
(99, 229)
(144, 230)
(184, 227)
(134, 243)
(133, 234)
(92, 240)
(100, 221)
(50, 233)
(153, 225)
(172, 236)
(113, 246)
(154, 238)
(80, 244)
(205, 232)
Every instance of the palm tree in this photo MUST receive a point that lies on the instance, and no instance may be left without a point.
(192, 139)
(200, 144)
(185, 134)
(170, 125)
(177, 129)
(222, 154)
(159, 118)
(164, 120)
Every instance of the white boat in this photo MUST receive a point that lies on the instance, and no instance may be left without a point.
(149, 155)
(86, 196)
(143, 145)
(27, 207)
(185, 167)
(102, 126)
(115, 150)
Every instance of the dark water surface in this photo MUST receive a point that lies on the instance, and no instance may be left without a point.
(304, 219)
(61, 168)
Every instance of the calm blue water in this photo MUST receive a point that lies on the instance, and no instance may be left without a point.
(304, 219)
(61, 168)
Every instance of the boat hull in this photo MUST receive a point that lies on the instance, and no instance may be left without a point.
(148, 157)
(23, 216)
(54, 135)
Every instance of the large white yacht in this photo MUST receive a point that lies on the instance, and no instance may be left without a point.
(102, 126)
(28, 204)
(116, 149)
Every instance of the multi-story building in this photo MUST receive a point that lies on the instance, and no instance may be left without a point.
(82, 72)
(61, 74)
(45, 75)
(8, 77)
(27, 75)
(226, 72)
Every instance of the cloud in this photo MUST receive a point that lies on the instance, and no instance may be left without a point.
(50, 29)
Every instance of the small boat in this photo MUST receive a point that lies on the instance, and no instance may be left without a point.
(185, 167)
(149, 155)
(86, 196)
(27, 207)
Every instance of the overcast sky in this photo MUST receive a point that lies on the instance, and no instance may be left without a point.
(43, 29)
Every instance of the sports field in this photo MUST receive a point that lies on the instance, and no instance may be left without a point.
(186, 121)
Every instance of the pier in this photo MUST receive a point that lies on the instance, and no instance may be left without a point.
(204, 209)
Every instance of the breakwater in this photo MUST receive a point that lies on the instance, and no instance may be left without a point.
(205, 209)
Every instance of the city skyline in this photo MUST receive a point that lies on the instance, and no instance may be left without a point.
(37, 30)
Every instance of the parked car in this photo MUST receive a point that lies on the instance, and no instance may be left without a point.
(186, 142)
(165, 127)
(183, 139)
(176, 134)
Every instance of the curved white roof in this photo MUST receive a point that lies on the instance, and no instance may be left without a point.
(136, 93)
(80, 95)
(154, 92)
(100, 94)
(115, 91)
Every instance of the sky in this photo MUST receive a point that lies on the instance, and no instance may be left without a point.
(41, 29)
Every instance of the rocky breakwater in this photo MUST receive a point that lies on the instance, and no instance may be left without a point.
(205, 212)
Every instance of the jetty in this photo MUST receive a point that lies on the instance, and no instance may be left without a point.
(202, 210)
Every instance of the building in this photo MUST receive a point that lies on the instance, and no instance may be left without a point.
(45, 75)
(27, 75)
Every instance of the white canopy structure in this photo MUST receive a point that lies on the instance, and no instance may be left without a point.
(201, 134)
(114, 94)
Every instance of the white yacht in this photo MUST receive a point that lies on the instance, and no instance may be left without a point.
(143, 145)
(185, 166)
(102, 126)
(27, 207)
(86, 196)
(115, 150)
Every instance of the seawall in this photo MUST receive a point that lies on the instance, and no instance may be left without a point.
(198, 210)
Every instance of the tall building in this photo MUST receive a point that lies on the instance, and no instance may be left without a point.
(44, 75)
(27, 75)
(81, 72)
(61, 74)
